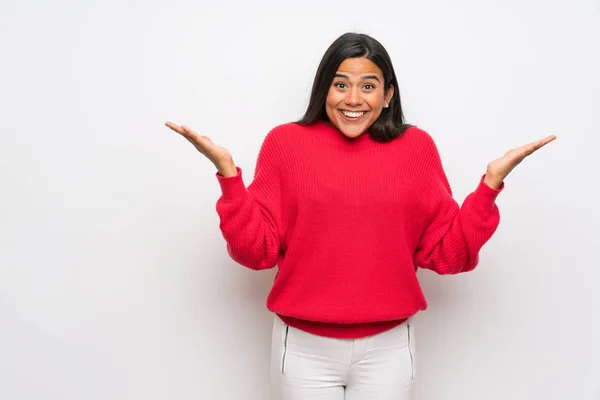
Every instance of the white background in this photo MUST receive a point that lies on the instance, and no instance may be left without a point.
(114, 279)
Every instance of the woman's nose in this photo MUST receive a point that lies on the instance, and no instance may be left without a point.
(353, 97)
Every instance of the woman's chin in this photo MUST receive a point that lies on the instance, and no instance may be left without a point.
(352, 131)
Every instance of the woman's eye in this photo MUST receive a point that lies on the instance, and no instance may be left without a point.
(368, 86)
(340, 85)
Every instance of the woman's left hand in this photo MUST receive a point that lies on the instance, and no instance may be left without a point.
(499, 169)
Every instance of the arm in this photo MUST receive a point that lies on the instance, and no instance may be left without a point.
(453, 239)
(250, 217)
(455, 234)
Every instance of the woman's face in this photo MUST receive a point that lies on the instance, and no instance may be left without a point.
(356, 96)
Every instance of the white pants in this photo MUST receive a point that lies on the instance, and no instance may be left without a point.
(310, 367)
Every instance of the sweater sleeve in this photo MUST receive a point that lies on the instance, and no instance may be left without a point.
(250, 216)
(454, 235)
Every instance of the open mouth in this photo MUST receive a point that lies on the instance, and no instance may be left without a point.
(352, 115)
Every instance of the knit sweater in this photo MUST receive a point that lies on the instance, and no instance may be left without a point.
(348, 222)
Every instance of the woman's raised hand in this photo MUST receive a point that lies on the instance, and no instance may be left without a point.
(218, 155)
(499, 169)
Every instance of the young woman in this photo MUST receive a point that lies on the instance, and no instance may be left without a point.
(348, 202)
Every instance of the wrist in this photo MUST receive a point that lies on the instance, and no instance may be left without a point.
(228, 170)
(492, 181)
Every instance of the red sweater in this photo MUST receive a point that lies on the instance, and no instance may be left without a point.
(348, 222)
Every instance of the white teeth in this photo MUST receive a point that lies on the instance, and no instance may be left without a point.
(351, 114)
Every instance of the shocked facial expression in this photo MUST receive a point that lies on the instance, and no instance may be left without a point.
(357, 96)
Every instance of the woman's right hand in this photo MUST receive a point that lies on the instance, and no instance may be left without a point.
(218, 155)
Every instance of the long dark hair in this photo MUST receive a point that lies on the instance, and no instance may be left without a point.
(390, 123)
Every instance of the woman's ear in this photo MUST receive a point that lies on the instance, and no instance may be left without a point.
(388, 95)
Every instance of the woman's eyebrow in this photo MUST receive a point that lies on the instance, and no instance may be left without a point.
(363, 78)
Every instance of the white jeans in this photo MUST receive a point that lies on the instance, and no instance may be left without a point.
(310, 367)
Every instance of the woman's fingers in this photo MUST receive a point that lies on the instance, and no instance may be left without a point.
(530, 148)
(202, 143)
(518, 154)
(197, 140)
(175, 127)
(207, 139)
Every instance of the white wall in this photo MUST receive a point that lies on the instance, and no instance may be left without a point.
(114, 279)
